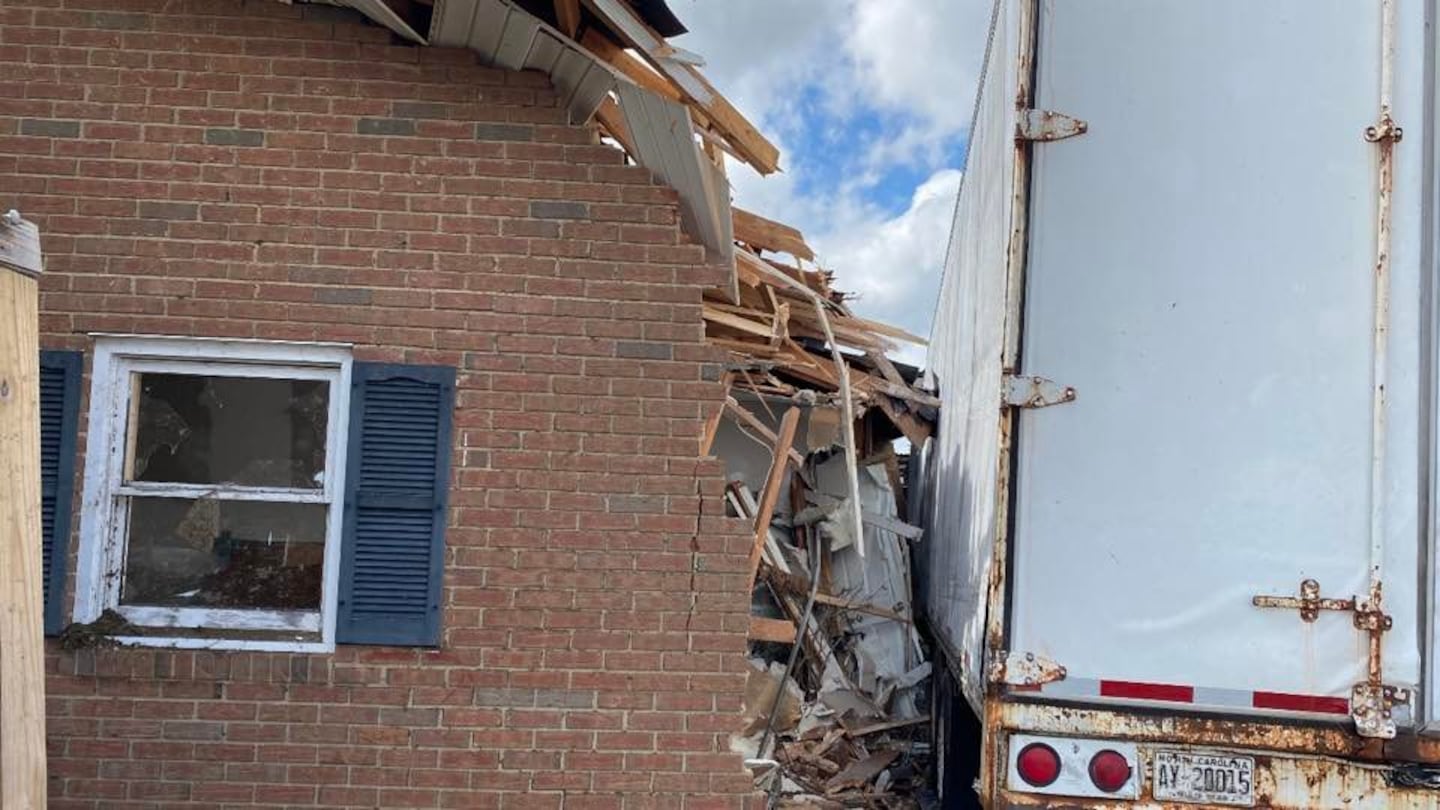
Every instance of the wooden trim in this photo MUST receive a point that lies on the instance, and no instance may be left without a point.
(104, 510)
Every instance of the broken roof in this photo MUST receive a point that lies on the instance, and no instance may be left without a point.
(785, 328)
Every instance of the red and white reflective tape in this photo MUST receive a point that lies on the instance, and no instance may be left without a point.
(1094, 689)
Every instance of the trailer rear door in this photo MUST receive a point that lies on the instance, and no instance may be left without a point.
(1201, 272)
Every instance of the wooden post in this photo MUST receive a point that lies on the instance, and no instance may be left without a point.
(22, 653)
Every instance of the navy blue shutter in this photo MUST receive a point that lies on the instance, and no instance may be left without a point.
(59, 423)
(397, 483)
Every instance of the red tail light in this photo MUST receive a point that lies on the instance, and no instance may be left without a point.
(1038, 764)
(1109, 771)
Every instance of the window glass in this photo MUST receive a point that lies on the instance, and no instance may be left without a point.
(198, 429)
(224, 554)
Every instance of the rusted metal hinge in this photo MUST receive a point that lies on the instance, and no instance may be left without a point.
(1024, 669)
(1387, 131)
(1372, 703)
(1047, 125)
(1309, 603)
(1035, 392)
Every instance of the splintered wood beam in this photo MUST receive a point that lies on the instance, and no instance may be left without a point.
(613, 120)
(887, 368)
(779, 631)
(717, 316)
(567, 14)
(770, 495)
(634, 69)
(888, 331)
(767, 234)
(916, 430)
(746, 140)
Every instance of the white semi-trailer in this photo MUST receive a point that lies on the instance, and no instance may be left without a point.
(1181, 503)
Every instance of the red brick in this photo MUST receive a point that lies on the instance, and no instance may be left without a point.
(576, 670)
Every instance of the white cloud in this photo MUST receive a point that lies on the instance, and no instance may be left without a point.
(807, 71)
(892, 264)
(919, 56)
(916, 60)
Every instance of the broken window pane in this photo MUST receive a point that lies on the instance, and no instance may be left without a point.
(199, 429)
(224, 554)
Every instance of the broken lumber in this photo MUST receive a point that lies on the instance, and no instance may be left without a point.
(779, 631)
(785, 438)
(767, 234)
(741, 135)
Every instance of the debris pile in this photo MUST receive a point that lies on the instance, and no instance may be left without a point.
(836, 703)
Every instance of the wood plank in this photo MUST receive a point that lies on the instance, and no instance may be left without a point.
(634, 69)
(770, 494)
(887, 330)
(797, 586)
(914, 429)
(742, 346)
(861, 771)
(743, 137)
(887, 369)
(22, 653)
(19, 245)
(722, 318)
(613, 120)
(767, 234)
(567, 14)
(779, 631)
(897, 488)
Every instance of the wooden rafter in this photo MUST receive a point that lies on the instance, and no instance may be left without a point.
(567, 14)
(742, 135)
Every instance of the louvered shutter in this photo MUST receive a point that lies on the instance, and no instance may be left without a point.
(397, 481)
(59, 412)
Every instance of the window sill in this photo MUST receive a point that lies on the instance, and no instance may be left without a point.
(225, 644)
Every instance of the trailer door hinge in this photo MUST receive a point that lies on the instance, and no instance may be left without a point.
(1048, 125)
(1372, 707)
(1372, 702)
(1024, 669)
(1035, 392)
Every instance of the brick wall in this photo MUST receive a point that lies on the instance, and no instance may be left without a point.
(266, 171)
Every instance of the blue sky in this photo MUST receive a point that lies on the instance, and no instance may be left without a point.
(868, 101)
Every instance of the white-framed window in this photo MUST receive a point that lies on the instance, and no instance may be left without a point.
(214, 482)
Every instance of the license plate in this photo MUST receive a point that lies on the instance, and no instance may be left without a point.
(1181, 776)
